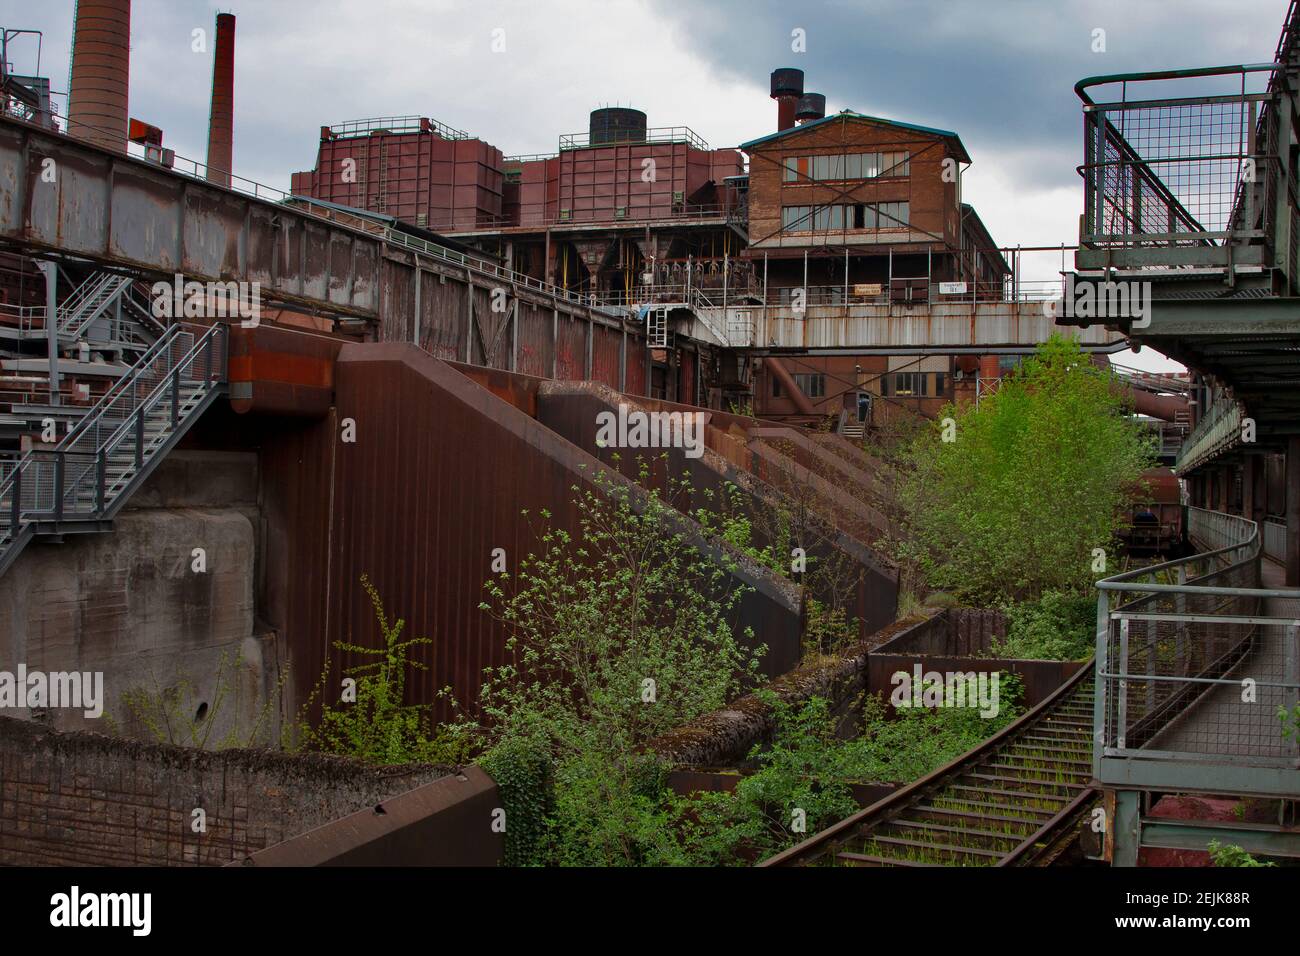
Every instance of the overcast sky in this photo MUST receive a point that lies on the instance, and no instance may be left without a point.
(998, 72)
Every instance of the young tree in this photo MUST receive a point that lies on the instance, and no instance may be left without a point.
(1033, 480)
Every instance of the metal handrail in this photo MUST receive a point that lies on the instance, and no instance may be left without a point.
(659, 134)
(120, 384)
(488, 268)
(71, 316)
(62, 487)
(152, 399)
(1135, 708)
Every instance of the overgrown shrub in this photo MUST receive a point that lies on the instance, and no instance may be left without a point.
(1006, 499)
(1056, 627)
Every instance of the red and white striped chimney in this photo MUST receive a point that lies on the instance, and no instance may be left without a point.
(101, 55)
(221, 118)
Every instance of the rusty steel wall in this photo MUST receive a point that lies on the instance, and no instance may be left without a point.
(635, 383)
(571, 351)
(437, 477)
(606, 353)
(571, 411)
(534, 350)
(442, 317)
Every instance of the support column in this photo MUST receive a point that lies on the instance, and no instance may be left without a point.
(1248, 468)
(1293, 512)
(51, 271)
(1127, 828)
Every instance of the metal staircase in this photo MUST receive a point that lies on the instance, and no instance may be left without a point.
(90, 301)
(80, 485)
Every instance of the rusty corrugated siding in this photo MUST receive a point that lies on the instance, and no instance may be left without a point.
(606, 349)
(437, 478)
(534, 351)
(571, 350)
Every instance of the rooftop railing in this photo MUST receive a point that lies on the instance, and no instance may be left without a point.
(654, 135)
(1171, 180)
(396, 124)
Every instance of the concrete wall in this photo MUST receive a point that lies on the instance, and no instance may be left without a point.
(128, 603)
(86, 799)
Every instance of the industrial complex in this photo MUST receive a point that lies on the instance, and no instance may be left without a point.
(239, 426)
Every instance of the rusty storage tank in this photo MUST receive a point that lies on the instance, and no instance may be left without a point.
(811, 106)
(97, 96)
(616, 124)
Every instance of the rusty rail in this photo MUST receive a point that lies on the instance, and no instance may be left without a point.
(1005, 803)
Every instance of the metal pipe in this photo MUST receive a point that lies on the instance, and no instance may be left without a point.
(782, 375)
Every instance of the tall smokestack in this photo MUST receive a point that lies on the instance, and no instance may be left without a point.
(101, 52)
(787, 87)
(221, 118)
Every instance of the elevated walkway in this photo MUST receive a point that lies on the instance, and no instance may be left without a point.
(1195, 659)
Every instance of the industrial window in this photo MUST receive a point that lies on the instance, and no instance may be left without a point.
(891, 215)
(828, 217)
(894, 164)
(844, 166)
(912, 384)
(812, 384)
(796, 217)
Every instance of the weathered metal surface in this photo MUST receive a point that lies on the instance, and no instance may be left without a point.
(437, 478)
(934, 325)
(571, 410)
(126, 212)
(278, 371)
(443, 823)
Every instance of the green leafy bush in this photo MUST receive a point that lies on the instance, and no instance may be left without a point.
(1035, 476)
(1231, 855)
(619, 632)
(1056, 627)
(378, 726)
(808, 768)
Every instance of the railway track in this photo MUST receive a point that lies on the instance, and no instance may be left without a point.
(1013, 801)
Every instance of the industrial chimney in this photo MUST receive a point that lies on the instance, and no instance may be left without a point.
(787, 87)
(101, 43)
(221, 117)
(811, 106)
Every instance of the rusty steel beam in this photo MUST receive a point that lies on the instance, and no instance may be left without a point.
(64, 197)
